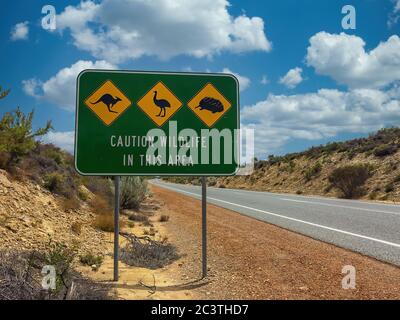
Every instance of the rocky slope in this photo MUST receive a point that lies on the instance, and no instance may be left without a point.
(30, 216)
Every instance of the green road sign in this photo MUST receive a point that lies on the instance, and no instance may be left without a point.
(156, 123)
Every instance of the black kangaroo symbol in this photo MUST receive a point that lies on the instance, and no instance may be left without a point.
(162, 104)
(109, 101)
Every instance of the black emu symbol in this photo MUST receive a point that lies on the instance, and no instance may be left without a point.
(109, 101)
(211, 104)
(162, 104)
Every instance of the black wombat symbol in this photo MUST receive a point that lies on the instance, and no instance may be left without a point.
(109, 101)
(211, 104)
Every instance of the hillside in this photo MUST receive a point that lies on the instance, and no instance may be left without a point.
(30, 216)
(309, 172)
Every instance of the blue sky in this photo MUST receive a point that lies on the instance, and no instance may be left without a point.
(339, 83)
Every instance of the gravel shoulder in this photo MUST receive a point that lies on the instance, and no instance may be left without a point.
(250, 259)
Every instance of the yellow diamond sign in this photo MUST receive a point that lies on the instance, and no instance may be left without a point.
(209, 105)
(108, 102)
(160, 104)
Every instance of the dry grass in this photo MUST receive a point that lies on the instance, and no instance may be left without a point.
(147, 253)
(69, 204)
(139, 217)
(104, 222)
(76, 228)
(21, 278)
(104, 219)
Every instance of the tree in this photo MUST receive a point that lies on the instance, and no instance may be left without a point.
(350, 179)
(3, 94)
(16, 135)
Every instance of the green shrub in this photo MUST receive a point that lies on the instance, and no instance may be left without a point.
(312, 171)
(389, 187)
(54, 182)
(90, 259)
(69, 204)
(133, 192)
(16, 135)
(385, 150)
(138, 217)
(83, 195)
(350, 179)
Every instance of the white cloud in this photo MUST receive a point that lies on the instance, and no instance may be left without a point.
(61, 88)
(30, 87)
(293, 78)
(264, 80)
(343, 57)
(20, 31)
(394, 16)
(244, 82)
(63, 140)
(120, 30)
(319, 115)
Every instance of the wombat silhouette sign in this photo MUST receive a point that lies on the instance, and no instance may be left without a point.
(156, 123)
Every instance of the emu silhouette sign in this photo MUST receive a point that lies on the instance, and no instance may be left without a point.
(156, 123)
(159, 104)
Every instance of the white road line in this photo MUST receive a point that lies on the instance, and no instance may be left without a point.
(396, 245)
(339, 206)
(273, 194)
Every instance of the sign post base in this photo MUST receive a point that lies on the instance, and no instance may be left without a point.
(116, 227)
(204, 225)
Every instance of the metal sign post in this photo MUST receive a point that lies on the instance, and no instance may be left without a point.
(116, 227)
(204, 225)
(132, 123)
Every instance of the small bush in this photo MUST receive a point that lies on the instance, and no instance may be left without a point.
(69, 204)
(385, 150)
(17, 138)
(83, 195)
(150, 232)
(104, 222)
(21, 279)
(373, 195)
(59, 184)
(164, 218)
(133, 192)
(139, 217)
(100, 186)
(100, 206)
(389, 188)
(104, 219)
(54, 182)
(76, 228)
(397, 179)
(147, 253)
(89, 260)
(350, 179)
(312, 171)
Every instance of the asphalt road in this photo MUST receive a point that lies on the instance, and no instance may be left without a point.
(370, 228)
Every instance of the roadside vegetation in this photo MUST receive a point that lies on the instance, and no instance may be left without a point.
(26, 159)
(366, 168)
(21, 276)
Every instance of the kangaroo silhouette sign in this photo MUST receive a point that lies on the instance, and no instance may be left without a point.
(156, 123)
